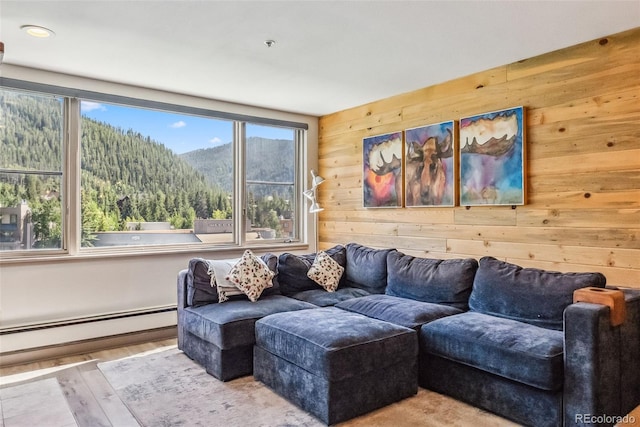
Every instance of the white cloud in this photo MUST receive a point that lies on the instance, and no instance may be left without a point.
(178, 125)
(215, 141)
(91, 106)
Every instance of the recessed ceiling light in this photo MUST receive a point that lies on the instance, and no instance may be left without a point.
(38, 31)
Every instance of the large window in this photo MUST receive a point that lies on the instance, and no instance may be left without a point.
(31, 171)
(141, 173)
(153, 177)
(270, 162)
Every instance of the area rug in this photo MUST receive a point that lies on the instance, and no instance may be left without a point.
(169, 389)
(38, 403)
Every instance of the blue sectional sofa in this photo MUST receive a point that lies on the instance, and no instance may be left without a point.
(504, 338)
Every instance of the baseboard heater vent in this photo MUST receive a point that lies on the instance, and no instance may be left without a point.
(87, 319)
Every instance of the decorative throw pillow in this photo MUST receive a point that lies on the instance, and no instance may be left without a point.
(219, 269)
(326, 272)
(251, 275)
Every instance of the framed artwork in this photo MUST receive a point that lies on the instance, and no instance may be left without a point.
(382, 171)
(492, 158)
(429, 169)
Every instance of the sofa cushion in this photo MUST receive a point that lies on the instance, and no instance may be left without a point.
(323, 298)
(201, 284)
(508, 348)
(325, 272)
(400, 311)
(538, 297)
(201, 288)
(431, 280)
(272, 262)
(293, 269)
(336, 344)
(366, 268)
(231, 324)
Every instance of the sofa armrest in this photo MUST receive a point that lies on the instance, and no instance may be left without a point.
(601, 372)
(630, 340)
(181, 303)
(182, 289)
(591, 363)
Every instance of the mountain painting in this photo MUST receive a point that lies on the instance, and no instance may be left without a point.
(492, 158)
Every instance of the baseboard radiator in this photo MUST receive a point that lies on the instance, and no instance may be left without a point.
(29, 327)
(36, 341)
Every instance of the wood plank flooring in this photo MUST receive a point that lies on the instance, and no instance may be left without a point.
(38, 403)
(77, 393)
(90, 399)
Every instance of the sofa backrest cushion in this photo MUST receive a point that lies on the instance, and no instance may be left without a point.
(199, 282)
(367, 268)
(431, 280)
(272, 262)
(293, 269)
(530, 295)
(199, 288)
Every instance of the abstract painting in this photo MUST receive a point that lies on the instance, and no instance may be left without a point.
(429, 177)
(382, 171)
(492, 158)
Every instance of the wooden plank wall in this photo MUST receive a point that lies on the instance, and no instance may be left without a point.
(583, 173)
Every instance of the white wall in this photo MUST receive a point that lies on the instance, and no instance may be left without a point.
(68, 287)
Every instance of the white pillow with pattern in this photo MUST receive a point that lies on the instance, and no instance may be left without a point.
(251, 275)
(326, 272)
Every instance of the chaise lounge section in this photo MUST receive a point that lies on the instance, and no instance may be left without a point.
(220, 336)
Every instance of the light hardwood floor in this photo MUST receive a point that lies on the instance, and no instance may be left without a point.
(89, 396)
(90, 399)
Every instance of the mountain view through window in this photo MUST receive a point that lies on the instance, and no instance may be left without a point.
(31, 172)
(148, 177)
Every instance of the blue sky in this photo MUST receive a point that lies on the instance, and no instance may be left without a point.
(179, 132)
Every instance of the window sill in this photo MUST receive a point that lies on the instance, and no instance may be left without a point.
(129, 252)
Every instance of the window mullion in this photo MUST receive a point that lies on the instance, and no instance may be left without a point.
(72, 195)
(239, 183)
(299, 210)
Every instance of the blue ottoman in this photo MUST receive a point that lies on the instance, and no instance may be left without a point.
(335, 364)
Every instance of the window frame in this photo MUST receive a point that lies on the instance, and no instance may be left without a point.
(299, 141)
(72, 133)
(62, 174)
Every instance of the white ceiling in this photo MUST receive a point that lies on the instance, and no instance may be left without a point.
(328, 56)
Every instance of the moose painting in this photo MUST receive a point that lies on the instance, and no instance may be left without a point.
(429, 165)
(492, 158)
(382, 170)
